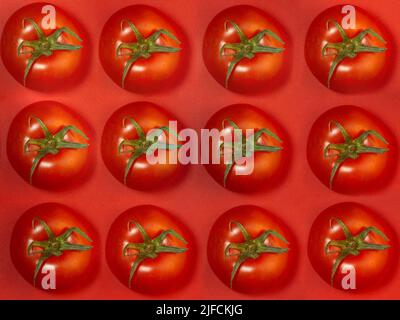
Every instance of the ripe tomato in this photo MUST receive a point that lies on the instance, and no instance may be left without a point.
(40, 56)
(351, 151)
(250, 250)
(54, 248)
(150, 251)
(270, 149)
(141, 49)
(243, 49)
(47, 145)
(352, 248)
(346, 57)
(125, 146)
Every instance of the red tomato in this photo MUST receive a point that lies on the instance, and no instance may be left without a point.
(149, 251)
(47, 145)
(243, 49)
(54, 248)
(41, 58)
(263, 262)
(124, 148)
(363, 162)
(141, 49)
(363, 258)
(356, 60)
(270, 149)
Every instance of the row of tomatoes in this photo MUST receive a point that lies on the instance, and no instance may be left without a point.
(249, 249)
(349, 149)
(244, 49)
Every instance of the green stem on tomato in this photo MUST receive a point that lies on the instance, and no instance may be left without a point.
(251, 248)
(350, 148)
(352, 245)
(143, 48)
(349, 47)
(247, 48)
(143, 145)
(51, 143)
(150, 248)
(44, 45)
(248, 146)
(54, 246)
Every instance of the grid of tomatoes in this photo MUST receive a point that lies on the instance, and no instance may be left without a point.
(295, 200)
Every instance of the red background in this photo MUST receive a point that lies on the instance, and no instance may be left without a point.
(199, 200)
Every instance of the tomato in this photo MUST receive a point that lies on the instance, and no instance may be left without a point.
(352, 248)
(47, 145)
(150, 251)
(351, 151)
(39, 57)
(254, 169)
(127, 142)
(141, 50)
(244, 49)
(346, 57)
(251, 251)
(54, 248)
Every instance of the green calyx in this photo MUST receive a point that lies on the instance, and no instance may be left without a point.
(44, 45)
(248, 146)
(352, 245)
(143, 48)
(246, 48)
(51, 143)
(251, 248)
(350, 148)
(54, 246)
(349, 48)
(143, 145)
(149, 248)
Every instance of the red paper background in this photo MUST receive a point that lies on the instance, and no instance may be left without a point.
(198, 200)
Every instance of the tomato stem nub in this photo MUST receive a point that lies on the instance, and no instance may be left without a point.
(349, 48)
(143, 48)
(248, 146)
(143, 145)
(351, 148)
(246, 48)
(51, 143)
(251, 248)
(352, 244)
(54, 246)
(44, 45)
(150, 248)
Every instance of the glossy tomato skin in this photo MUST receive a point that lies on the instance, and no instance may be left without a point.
(62, 69)
(159, 72)
(260, 74)
(269, 167)
(54, 172)
(365, 72)
(269, 272)
(373, 268)
(369, 172)
(73, 269)
(143, 175)
(166, 273)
